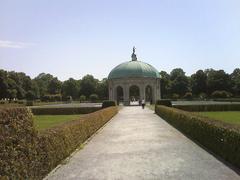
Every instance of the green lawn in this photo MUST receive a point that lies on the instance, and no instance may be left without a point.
(45, 121)
(226, 116)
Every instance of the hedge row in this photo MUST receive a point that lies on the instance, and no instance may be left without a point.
(63, 110)
(209, 107)
(165, 102)
(221, 138)
(108, 103)
(28, 154)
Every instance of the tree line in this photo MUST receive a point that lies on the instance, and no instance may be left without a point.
(176, 84)
(202, 84)
(17, 85)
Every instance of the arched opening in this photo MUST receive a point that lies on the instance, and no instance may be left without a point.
(119, 94)
(148, 94)
(134, 95)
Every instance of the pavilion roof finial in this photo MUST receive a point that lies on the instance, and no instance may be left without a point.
(134, 56)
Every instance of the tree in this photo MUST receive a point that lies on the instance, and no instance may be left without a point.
(54, 86)
(217, 80)
(102, 89)
(179, 82)
(3, 88)
(165, 84)
(30, 95)
(88, 85)
(43, 81)
(235, 78)
(199, 82)
(71, 87)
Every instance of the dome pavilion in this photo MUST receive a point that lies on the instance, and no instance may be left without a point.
(133, 81)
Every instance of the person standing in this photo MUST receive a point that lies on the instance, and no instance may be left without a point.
(143, 103)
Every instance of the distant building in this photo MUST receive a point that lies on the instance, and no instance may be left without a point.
(133, 81)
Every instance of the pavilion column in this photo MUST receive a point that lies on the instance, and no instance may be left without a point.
(142, 91)
(126, 94)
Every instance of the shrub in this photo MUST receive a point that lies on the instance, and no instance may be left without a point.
(30, 95)
(21, 101)
(29, 103)
(108, 103)
(221, 94)
(175, 96)
(209, 107)
(52, 98)
(17, 143)
(82, 98)
(165, 102)
(63, 110)
(188, 95)
(219, 137)
(28, 154)
(93, 97)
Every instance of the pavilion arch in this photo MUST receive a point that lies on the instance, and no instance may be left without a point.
(119, 94)
(134, 93)
(149, 94)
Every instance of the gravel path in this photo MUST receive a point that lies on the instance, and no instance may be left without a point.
(137, 144)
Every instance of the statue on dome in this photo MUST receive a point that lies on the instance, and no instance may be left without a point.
(134, 56)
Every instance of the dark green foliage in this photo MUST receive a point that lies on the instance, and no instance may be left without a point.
(52, 98)
(209, 107)
(71, 87)
(106, 104)
(179, 82)
(217, 80)
(164, 102)
(102, 89)
(235, 77)
(54, 86)
(88, 85)
(29, 103)
(199, 82)
(63, 110)
(30, 95)
(165, 84)
(221, 138)
(27, 154)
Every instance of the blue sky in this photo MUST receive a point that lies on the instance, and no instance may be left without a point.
(72, 38)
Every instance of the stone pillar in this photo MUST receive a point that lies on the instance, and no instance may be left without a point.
(126, 94)
(142, 91)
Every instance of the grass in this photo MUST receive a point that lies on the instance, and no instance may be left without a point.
(232, 117)
(42, 122)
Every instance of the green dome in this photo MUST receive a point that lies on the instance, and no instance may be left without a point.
(133, 69)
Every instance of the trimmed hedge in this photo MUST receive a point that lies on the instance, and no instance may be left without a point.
(28, 154)
(165, 102)
(17, 143)
(221, 138)
(63, 110)
(209, 107)
(108, 103)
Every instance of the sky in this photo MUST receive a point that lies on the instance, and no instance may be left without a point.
(72, 38)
